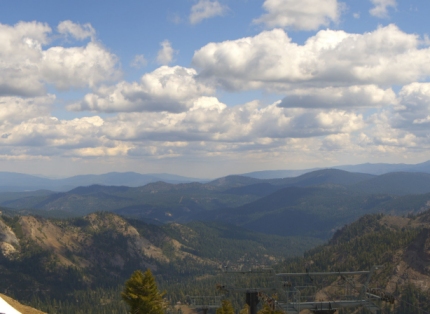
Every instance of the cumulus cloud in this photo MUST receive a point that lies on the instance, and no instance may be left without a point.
(165, 54)
(330, 58)
(26, 66)
(401, 128)
(380, 8)
(13, 110)
(330, 82)
(139, 61)
(300, 15)
(340, 97)
(208, 127)
(205, 9)
(209, 120)
(335, 142)
(170, 89)
(413, 111)
(77, 31)
(78, 66)
(49, 136)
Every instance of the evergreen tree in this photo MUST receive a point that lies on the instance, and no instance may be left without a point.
(142, 295)
(226, 308)
(268, 310)
(245, 309)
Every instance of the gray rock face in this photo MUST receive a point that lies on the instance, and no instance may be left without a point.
(8, 240)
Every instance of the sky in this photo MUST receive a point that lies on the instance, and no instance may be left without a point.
(207, 88)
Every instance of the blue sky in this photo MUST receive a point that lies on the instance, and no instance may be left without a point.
(206, 88)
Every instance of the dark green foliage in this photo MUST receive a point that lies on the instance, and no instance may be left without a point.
(359, 246)
(226, 308)
(94, 301)
(267, 310)
(223, 242)
(141, 294)
(413, 301)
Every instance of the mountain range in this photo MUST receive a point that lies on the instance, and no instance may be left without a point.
(314, 204)
(15, 182)
(18, 182)
(67, 244)
(375, 169)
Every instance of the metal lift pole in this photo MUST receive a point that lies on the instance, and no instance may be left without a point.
(252, 301)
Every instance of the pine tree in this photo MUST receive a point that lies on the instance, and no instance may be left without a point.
(142, 295)
(268, 310)
(245, 309)
(226, 308)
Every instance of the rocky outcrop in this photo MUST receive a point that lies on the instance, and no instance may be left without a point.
(9, 243)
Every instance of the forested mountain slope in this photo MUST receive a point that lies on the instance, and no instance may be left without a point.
(401, 245)
(161, 201)
(56, 258)
(398, 183)
(313, 211)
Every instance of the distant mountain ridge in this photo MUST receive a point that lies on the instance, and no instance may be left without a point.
(369, 168)
(14, 182)
(335, 192)
(18, 182)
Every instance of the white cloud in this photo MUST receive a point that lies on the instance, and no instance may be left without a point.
(208, 128)
(413, 110)
(209, 120)
(170, 89)
(165, 54)
(205, 9)
(335, 142)
(78, 66)
(330, 82)
(139, 61)
(77, 31)
(26, 66)
(272, 61)
(49, 136)
(300, 15)
(381, 7)
(339, 97)
(401, 129)
(13, 110)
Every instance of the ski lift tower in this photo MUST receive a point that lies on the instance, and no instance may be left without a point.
(254, 289)
(353, 295)
(293, 298)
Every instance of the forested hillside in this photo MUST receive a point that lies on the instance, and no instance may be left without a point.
(399, 244)
(81, 258)
(73, 263)
(314, 211)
